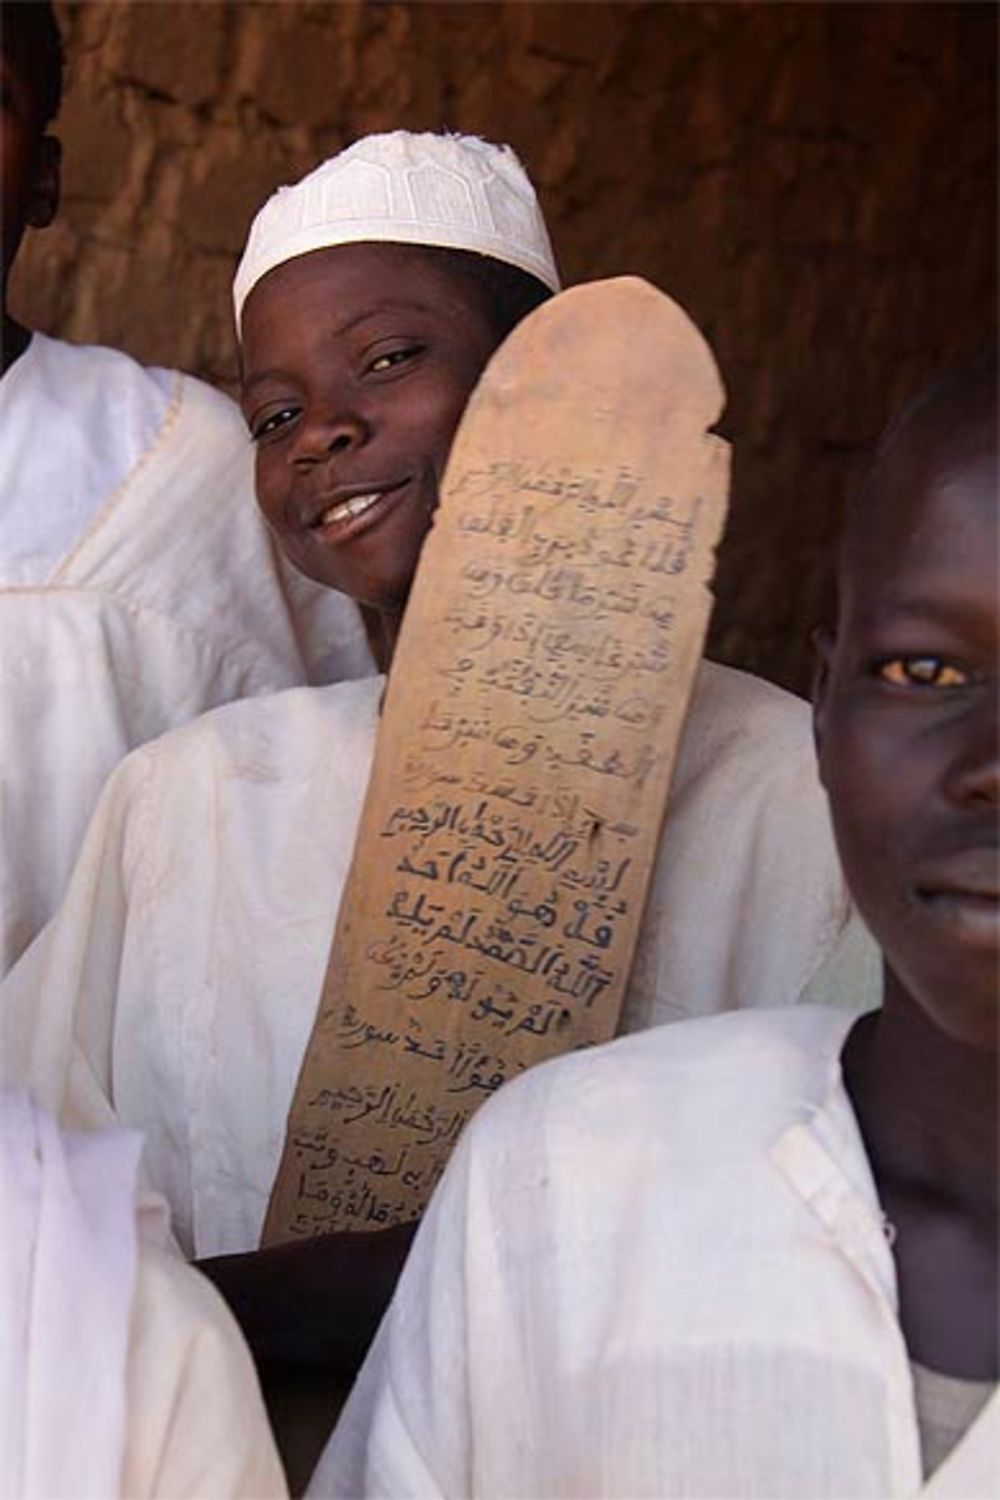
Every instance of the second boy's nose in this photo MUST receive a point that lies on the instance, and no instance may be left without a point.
(973, 777)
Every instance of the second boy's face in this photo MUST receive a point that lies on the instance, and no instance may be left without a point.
(357, 364)
(908, 735)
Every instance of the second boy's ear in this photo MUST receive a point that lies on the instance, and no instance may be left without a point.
(823, 642)
(45, 192)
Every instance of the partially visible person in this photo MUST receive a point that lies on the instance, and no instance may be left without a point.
(182, 973)
(139, 585)
(121, 1370)
(757, 1254)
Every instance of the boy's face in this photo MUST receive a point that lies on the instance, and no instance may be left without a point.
(357, 364)
(29, 159)
(908, 733)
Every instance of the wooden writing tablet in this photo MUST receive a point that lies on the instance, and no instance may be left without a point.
(524, 754)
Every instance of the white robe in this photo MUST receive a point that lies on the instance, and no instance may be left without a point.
(654, 1270)
(121, 1370)
(143, 607)
(188, 957)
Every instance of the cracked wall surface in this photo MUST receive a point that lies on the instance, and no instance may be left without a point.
(815, 183)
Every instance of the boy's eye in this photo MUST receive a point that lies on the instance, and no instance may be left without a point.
(272, 423)
(921, 672)
(393, 357)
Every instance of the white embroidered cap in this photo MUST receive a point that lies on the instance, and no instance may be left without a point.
(404, 188)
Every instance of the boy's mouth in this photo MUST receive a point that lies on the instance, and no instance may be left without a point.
(339, 513)
(346, 510)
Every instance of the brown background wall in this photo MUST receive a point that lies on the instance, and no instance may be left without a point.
(816, 183)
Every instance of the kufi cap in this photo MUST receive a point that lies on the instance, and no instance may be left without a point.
(455, 191)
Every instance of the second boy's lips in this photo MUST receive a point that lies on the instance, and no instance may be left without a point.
(974, 871)
(962, 892)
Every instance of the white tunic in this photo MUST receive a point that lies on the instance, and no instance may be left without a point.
(121, 1370)
(658, 1269)
(127, 609)
(75, 422)
(190, 951)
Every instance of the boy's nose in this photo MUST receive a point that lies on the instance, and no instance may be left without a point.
(974, 774)
(319, 438)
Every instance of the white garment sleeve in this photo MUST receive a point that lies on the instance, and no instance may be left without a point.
(65, 985)
(489, 1340)
(121, 1370)
(196, 1420)
(68, 1256)
(406, 1430)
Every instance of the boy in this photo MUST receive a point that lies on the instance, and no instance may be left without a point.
(121, 1372)
(758, 1254)
(137, 585)
(186, 963)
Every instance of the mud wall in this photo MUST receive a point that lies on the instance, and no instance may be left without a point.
(816, 183)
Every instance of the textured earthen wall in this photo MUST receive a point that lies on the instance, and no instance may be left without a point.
(815, 183)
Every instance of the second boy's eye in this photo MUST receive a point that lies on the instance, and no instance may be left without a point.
(390, 359)
(921, 672)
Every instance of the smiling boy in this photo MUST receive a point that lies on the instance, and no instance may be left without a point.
(349, 487)
(758, 1254)
(181, 977)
